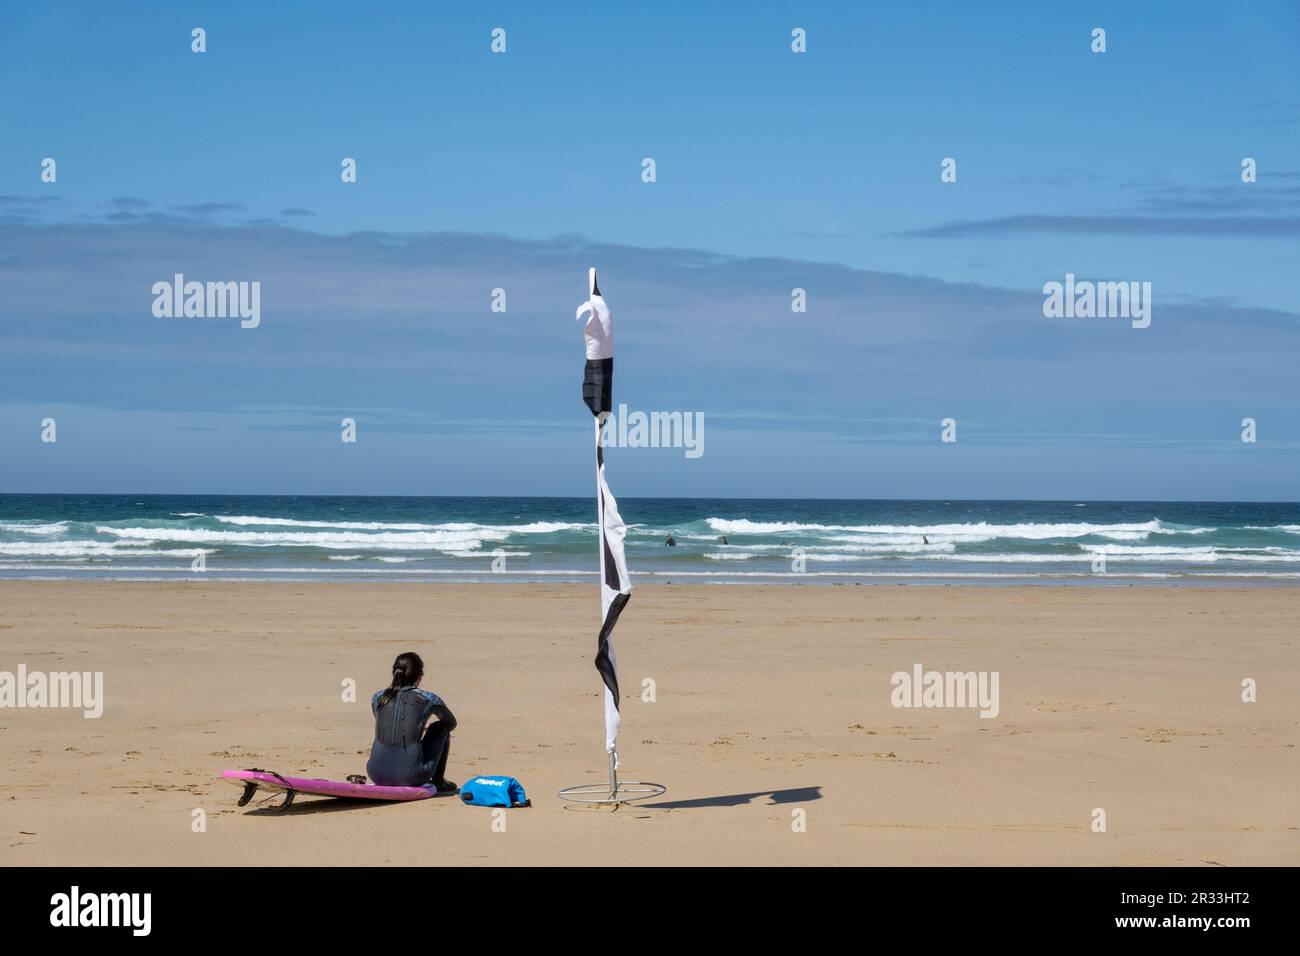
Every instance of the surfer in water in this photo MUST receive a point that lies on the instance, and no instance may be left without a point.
(406, 753)
(671, 542)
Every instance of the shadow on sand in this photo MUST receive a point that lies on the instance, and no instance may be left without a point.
(310, 803)
(307, 803)
(796, 795)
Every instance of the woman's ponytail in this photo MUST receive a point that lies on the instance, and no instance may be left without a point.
(407, 669)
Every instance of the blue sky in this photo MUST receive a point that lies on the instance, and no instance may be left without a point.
(774, 170)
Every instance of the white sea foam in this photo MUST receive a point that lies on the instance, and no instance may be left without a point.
(328, 540)
(533, 527)
(130, 571)
(1189, 555)
(253, 521)
(34, 527)
(902, 547)
(1221, 553)
(915, 547)
(1153, 550)
(973, 531)
(171, 572)
(88, 549)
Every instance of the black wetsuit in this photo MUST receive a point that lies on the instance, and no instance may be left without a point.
(404, 753)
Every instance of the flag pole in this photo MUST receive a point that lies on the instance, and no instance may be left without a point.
(615, 581)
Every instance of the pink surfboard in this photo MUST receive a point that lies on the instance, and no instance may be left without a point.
(254, 780)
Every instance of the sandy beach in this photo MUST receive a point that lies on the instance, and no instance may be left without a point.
(768, 701)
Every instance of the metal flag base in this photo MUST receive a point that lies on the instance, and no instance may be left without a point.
(615, 792)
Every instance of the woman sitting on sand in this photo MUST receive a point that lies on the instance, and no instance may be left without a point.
(404, 753)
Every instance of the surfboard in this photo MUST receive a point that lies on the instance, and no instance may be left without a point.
(254, 780)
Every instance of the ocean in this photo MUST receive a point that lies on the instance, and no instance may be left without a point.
(238, 537)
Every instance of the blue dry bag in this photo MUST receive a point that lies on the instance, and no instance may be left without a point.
(494, 791)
